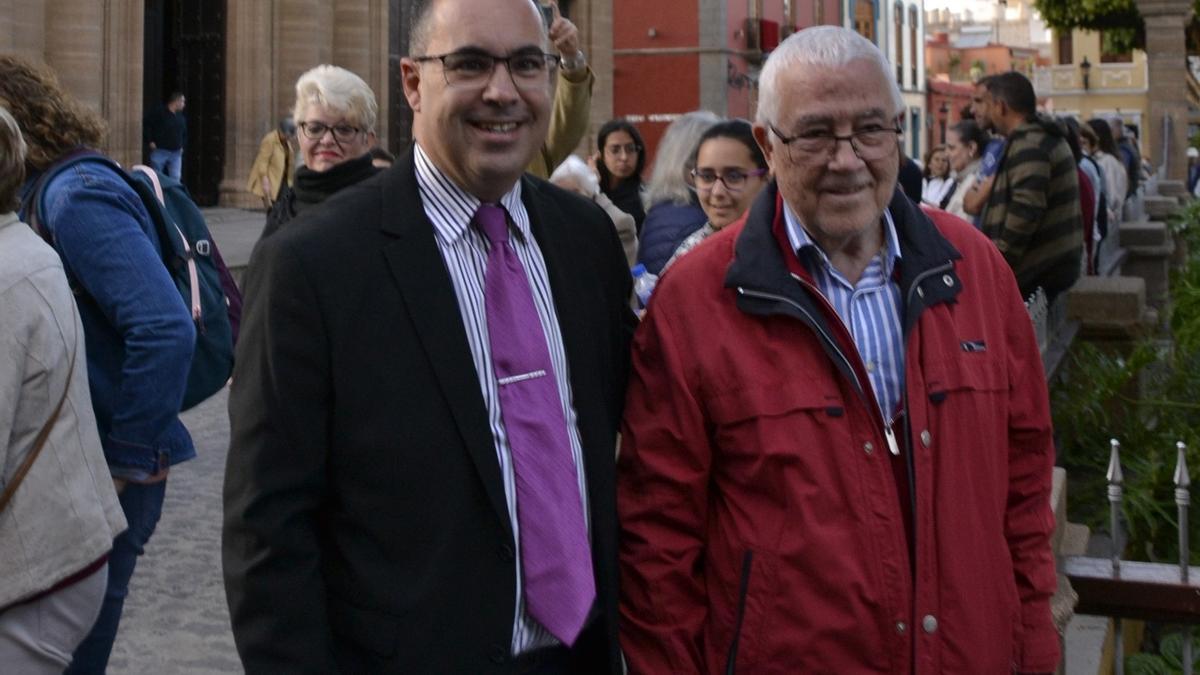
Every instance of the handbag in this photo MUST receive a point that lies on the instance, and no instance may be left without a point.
(44, 435)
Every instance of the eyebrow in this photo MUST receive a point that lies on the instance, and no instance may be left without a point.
(476, 49)
(813, 120)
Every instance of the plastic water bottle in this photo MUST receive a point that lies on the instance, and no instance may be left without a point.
(643, 285)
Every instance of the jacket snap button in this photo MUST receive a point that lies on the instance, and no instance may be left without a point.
(920, 292)
(947, 279)
(868, 447)
(926, 438)
(900, 627)
(929, 623)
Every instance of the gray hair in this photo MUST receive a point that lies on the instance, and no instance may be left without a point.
(339, 90)
(12, 161)
(675, 156)
(822, 46)
(575, 168)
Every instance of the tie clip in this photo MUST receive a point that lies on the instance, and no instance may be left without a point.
(511, 379)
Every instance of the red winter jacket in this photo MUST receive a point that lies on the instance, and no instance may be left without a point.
(762, 521)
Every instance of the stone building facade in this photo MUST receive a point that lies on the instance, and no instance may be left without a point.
(237, 62)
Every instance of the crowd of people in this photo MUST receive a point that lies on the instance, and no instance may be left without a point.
(824, 447)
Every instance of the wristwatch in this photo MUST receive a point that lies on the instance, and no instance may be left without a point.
(574, 63)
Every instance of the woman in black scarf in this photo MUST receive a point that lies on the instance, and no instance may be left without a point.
(622, 158)
(335, 113)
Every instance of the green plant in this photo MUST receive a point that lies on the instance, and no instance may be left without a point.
(1168, 660)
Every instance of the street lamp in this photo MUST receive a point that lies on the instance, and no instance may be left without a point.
(944, 109)
(1085, 69)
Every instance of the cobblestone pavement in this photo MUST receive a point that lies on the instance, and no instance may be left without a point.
(175, 618)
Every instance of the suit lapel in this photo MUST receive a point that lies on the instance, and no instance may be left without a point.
(421, 277)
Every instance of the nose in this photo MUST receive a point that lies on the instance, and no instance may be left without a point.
(501, 87)
(844, 153)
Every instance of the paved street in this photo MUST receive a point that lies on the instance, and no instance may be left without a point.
(175, 620)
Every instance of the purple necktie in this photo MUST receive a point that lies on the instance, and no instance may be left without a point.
(555, 557)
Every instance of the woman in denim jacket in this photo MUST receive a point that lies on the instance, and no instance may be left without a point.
(139, 334)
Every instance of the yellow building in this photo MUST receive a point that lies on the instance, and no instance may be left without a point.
(1089, 82)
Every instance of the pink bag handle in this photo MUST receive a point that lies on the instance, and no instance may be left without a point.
(193, 275)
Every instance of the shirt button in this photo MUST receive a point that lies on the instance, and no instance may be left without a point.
(868, 447)
(929, 623)
(901, 627)
(926, 438)
(948, 280)
(870, 366)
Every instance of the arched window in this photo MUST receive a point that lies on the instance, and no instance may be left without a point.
(913, 44)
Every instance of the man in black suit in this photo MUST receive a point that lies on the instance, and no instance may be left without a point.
(385, 510)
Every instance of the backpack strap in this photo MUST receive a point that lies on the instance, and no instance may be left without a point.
(189, 256)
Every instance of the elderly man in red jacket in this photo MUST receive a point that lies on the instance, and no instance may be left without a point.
(837, 448)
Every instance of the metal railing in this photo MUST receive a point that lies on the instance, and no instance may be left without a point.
(1139, 590)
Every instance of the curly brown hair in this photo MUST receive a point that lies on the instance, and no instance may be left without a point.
(54, 123)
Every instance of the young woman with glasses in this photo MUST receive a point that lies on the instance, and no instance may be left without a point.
(620, 163)
(335, 116)
(729, 172)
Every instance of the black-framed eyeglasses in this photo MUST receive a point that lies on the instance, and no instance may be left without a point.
(473, 68)
(342, 132)
(734, 180)
(870, 143)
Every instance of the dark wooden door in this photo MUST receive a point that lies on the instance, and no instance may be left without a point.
(185, 51)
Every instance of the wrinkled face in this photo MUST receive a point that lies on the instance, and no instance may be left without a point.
(838, 196)
(981, 107)
(482, 136)
(961, 154)
(939, 164)
(620, 154)
(342, 140)
(730, 160)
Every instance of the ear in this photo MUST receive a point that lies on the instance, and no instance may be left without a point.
(373, 139)
(410, 77)
(762, 136)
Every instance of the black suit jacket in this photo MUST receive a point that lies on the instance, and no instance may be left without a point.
(365, 521)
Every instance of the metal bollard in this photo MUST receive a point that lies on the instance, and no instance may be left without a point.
(1182, 500)
(1115, 492)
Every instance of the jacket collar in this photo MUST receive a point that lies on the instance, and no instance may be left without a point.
(926, 268)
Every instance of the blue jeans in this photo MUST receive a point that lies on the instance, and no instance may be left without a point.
(169, 162)
(142, 505)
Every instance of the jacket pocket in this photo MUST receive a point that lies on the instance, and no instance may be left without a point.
(372, 629)
(739, 405)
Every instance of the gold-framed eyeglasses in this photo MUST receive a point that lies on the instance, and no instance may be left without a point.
(704, 180)
(870, 143)
(629, 149)
(528, 68)
(342, 132)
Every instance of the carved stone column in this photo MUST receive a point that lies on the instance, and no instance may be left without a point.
(74, 48)
(251, 93)
(121, 102)
(1166, 54)
(23, 28)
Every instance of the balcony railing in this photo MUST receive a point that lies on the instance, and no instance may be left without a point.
(1102, 77)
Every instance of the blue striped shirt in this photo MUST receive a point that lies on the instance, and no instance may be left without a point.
(870, 310)
(464, 250)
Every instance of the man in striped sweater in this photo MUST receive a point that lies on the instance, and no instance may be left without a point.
(1033, 214)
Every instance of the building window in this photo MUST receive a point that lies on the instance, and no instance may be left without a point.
(1066, 48)
(898, 36)
(864, 19)
(913, 44)
(1112, 53)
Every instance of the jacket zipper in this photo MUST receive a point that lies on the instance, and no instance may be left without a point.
(731, 660)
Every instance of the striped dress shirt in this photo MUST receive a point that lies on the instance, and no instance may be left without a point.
(465, 251)
(869, 310)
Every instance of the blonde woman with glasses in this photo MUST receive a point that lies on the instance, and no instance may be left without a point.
(335, 117)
